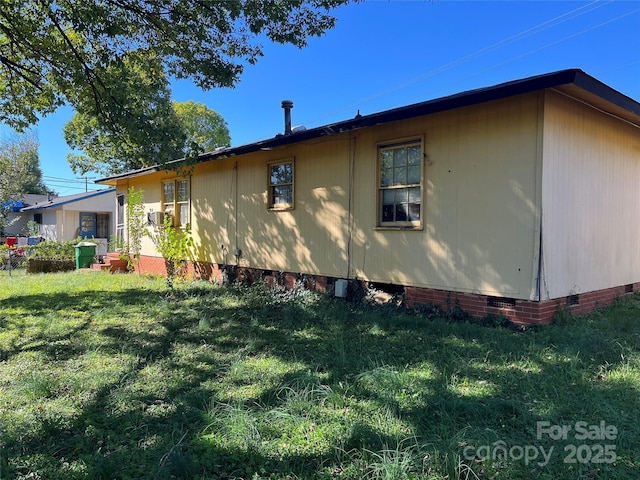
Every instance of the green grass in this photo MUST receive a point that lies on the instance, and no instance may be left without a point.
(111, 376)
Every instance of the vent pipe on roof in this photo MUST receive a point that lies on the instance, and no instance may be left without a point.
(287, 105)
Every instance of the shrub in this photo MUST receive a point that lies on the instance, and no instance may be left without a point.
(174, 245)
(52, 256)
(35, 265)
(55, 250)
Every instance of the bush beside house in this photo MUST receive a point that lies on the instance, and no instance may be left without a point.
(52, 256)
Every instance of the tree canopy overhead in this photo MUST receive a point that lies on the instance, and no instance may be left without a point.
(55, 52)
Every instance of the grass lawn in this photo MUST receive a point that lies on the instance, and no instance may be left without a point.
(113, 377)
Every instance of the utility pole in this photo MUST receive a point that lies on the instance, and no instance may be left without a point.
(86, 182)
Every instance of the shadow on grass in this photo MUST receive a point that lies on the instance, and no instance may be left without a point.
(365, 379)
(36, 329)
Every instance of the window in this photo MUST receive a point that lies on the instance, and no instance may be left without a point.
(400, 187)
(176, 201)
(102, 225)
(120, 220)
(87, 225)
(281, 185)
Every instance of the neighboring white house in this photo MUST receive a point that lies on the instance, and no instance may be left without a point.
(87, 215)
(17, 220)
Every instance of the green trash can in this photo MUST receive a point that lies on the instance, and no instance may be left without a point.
(85, 254)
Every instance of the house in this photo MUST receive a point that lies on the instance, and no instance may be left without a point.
(86, 215)
(17, 222)
(515, 199)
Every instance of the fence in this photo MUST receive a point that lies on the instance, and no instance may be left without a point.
(11, 262)
(14, 259)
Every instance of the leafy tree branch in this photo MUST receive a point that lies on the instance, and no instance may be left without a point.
(83, 54)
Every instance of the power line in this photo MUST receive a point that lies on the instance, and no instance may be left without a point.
(64, 180)
(72, 186)
(550, 44)
(531, 31)
(68, 184)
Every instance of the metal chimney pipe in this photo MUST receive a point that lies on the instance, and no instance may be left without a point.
(287, 105)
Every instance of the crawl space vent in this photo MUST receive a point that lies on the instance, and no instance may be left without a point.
(499, 302)
(573, 300)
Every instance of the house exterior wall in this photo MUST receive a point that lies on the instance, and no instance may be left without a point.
(480, 206)
(99, 203)
(311, 238)
(152, 187)
(591, 200)
(63, 221)
(68, 223)
(481, 203)
(49, 227)
(18, 224)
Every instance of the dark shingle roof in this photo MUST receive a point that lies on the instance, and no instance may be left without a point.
(572, 82)
(59, 201)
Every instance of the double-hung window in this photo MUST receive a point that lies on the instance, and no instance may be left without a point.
(281, 189)
(400, 184)
(176, 201)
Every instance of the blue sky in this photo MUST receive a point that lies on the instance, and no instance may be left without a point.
(385, 54)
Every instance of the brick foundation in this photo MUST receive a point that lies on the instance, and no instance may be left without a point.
(219, 274)
(522, 312)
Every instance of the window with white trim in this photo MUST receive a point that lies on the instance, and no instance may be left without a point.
(176, 201)
(281, 183)
(400, 184)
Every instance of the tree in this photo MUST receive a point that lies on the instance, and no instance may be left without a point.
(20, 171)
(59, 52)
(109, 149)
(204, 128)
(191, 128)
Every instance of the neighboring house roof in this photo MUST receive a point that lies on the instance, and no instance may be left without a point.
(14, 205)
(572, 82)
(26, 200)
(59, 201)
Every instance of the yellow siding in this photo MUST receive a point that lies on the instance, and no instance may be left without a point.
(479, 217)
(481, 208)
(230, 208)
(152, 187)
(591, 175)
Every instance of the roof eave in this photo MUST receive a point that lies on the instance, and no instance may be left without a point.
(113, 180)
(60, 201)
(575, 77)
